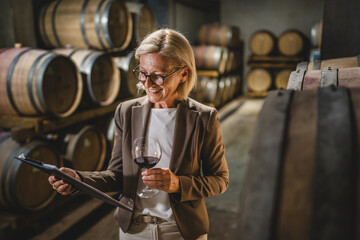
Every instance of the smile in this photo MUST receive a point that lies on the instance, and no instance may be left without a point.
(153, 90)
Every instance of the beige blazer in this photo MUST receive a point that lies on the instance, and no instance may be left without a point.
(197, 158)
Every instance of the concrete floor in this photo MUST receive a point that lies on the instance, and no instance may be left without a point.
(238, 119)
(237, 131)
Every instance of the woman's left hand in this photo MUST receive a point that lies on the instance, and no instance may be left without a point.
(161, 178)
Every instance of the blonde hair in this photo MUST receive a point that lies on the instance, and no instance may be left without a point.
(174, 45)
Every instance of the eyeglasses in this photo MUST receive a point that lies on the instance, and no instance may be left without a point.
(154, 78)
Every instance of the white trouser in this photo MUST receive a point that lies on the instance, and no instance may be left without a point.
(150, 231)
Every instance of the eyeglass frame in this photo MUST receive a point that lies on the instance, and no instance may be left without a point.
(156, 75)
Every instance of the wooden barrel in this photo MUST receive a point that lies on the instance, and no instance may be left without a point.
(211, 58)
(233, 63)
(36, 82)
(86, 148)
(345, 62)
(302, 180)
(259, 80)
(126, 65)
(292, 43)
(219, 35)
(232, 81)
(316, 34)
(238, 86)
(22, 186)
(302, 80)
(213, 90)
(235, 81)
(3, 49)
(230, 63)
(226, 95)
(144, 21)
(100, 75)
(262, 43)
(199, 91)
(99, 24)
(282, 78)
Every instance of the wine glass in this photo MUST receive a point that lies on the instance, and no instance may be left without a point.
(147, 153)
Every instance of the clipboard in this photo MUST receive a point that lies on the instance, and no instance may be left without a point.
(81, 186)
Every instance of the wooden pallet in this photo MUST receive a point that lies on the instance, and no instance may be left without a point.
(208, 73)
(280, 62)
(70, 224)
(23, 128)
(60, 217)
(256, 94)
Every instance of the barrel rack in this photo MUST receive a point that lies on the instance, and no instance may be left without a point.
(32, 224)
(208, 73)
(66, 218)
(271, 63)
(274, 61)
(23, 128)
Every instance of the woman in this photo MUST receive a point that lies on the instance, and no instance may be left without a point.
(193, 164)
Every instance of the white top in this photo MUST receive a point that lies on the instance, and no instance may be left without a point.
(161, 126)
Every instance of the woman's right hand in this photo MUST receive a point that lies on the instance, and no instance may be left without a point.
(60, 185)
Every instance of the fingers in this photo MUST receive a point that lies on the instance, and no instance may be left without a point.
(162, 179)
(161, 185)
(64, 189)
(156, 178)
(59, 185)
(156, 171)
(156, 175)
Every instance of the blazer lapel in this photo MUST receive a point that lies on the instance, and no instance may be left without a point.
(139, 123)
(184, 126)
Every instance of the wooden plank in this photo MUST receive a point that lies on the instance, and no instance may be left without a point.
(61, 218)
(69, 220)
(50, 125)
(355, 99)
(23, 225)
(257, 208)
(23, 128)
(7, 34)
(256, 94)
(8, 122)
(272, 65)
(24, 28)
(341, 21)
(17, 25)
(275, 58)
(108, 225)
(208, 73)
(334, 188)
(274, 61)
(295, 200)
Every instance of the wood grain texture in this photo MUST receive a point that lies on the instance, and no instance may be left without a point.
(295, 203)
(260, 194)
(334, 189)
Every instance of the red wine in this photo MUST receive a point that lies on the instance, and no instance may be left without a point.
(146, 162)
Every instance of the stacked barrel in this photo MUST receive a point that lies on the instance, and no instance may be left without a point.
(273, 58)
(218, 57)
(303, 171)
(77, 76)
(338, 72)
(113, 27)
(303, 176)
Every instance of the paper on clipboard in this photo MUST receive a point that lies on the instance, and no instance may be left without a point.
(81, 186)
